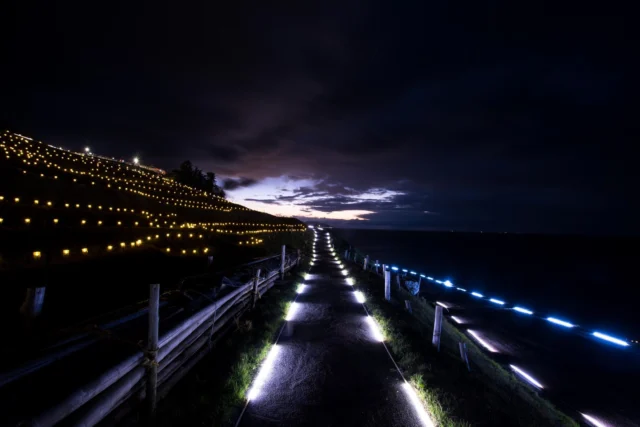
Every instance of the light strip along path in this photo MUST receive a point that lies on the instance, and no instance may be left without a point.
(330, 370)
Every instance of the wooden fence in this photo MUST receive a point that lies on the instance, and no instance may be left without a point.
(169, 355)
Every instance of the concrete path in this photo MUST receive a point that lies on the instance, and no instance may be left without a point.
(329, 369)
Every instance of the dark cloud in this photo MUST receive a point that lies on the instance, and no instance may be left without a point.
(234, 184)
(225, 153)
(512, 116)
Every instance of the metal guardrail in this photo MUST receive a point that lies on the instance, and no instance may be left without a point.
(168, 357)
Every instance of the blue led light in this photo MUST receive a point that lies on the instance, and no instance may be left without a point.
(560, 322)
(523, 310)
(394, 268)
(461, 289)
(477, 294)
(448, 284)
(496, 301)
(439, 282)
(422, 275)
(430, 278)
(611, 339)
(413, 272)
(404, 270)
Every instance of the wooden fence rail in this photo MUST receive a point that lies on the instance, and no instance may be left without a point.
(169, 355)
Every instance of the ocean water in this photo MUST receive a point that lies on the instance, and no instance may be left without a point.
(590, 281)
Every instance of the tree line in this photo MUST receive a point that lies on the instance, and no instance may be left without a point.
(192, 176)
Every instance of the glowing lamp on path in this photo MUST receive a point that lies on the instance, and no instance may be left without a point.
(560, 322)
(482, 342)
(359, 297)
(523, 310)
(477, 294)
(264, 374)
(594, 421)
(136, 161)
(610, 339)
(292, 311)
(496, 301)
(448, 284)
(526, 376)
(417, 405)
(375, 331)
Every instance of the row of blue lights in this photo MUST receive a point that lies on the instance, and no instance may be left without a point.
(522, 310)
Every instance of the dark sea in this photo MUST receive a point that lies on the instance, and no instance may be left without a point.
(590, 281)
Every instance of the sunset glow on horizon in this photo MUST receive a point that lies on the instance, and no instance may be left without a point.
(307, 198)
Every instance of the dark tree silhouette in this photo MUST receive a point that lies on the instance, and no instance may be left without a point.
(192, 176)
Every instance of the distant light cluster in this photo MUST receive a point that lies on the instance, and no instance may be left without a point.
(168, 205)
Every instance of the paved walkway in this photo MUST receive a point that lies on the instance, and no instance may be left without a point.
(329, 369)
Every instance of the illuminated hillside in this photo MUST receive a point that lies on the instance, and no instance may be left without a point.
(61, 206)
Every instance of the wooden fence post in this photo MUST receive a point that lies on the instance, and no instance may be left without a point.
(255, 287)
(33, 302)
(387, 285)
(437, 327)
(284, 254)
(464, 355)
(152, 349)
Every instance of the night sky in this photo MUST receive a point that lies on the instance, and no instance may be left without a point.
(518, 117)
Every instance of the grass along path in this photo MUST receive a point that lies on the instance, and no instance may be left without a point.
(488, 395)
(214, 392)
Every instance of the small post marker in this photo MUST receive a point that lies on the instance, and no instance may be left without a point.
(255, 287)
(377, 266)
(366, 262)
(463, 354)
(284, 254)
(152, 349)
(437, 327)
(387, 285)
(407, 305)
